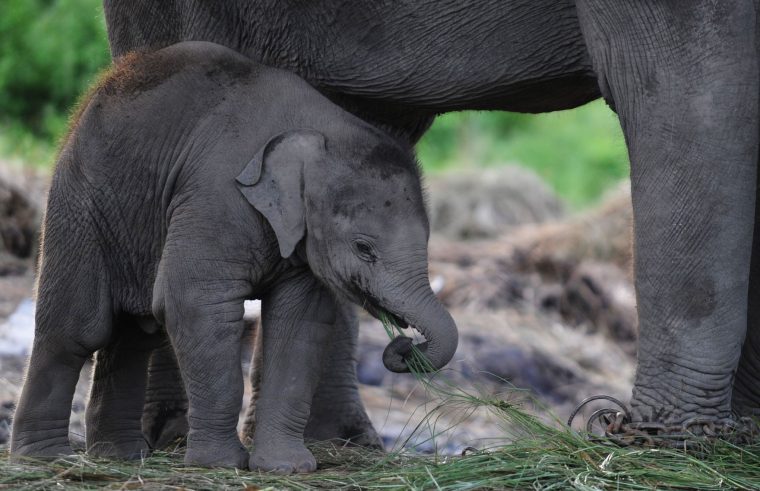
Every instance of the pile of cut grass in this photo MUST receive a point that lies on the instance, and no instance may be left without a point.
(551, 460)
(541, 456)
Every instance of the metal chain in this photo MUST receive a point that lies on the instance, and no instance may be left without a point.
(689, 435)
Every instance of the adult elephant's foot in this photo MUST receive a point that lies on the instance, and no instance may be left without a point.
(228, 453)
(674, 394)
(678, 411)
(346, 422)
(283, 458)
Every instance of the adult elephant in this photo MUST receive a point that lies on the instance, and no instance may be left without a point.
(682, 76)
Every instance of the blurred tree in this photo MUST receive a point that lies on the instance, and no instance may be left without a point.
(49, 51)
(580, 152)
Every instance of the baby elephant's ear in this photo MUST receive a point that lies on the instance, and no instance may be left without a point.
(273, 182)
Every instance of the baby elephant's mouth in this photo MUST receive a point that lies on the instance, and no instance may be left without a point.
(375, 310)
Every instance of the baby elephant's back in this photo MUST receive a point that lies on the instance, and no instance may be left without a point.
(149, 103)
(131, 140)
(145, 119)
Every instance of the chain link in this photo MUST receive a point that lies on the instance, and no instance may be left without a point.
(689, 435)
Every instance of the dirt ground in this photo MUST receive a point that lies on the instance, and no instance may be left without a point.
(543, 300)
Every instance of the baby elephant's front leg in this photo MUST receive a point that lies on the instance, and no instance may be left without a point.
(203, 311)
(298, 316)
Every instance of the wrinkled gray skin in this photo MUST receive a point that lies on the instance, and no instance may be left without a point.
(682, 76)
(196, 179)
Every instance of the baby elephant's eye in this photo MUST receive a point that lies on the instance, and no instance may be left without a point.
(364, 250)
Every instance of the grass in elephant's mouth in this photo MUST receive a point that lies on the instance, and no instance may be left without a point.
(544, 457)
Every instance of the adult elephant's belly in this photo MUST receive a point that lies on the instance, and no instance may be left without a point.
(525, 56)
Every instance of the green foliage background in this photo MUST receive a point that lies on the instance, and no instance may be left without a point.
(50, 50)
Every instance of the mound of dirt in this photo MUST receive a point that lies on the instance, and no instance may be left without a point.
(22, 192)
(484, 203)
(579, 268)
(603, 234)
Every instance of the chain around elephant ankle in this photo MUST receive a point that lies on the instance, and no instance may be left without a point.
(689, 435)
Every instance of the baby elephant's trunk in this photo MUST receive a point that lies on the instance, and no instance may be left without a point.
(441, 335)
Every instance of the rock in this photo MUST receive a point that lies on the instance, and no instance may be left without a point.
(485, 202)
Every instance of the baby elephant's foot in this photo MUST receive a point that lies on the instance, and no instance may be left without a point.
(40, 451)
(133, 449)
(212, 454)
(283, 459)
(164, 426)
(345, 423)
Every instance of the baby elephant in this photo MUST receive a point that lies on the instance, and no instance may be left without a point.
(192, 180)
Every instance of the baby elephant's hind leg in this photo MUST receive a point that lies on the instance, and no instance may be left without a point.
(337, 411)
(73, 320)
(298, 317)
(115, 408)
(164, 419)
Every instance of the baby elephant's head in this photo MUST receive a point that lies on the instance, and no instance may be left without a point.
(353, 206)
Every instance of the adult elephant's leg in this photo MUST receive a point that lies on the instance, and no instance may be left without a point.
(746, 392)
(164, 418)
(683, 78)
(337, 412)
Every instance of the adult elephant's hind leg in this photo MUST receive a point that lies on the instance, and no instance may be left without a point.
(746, 392)
(684, 80)
(115, 408)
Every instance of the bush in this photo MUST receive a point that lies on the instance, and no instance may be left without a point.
(50, 51)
